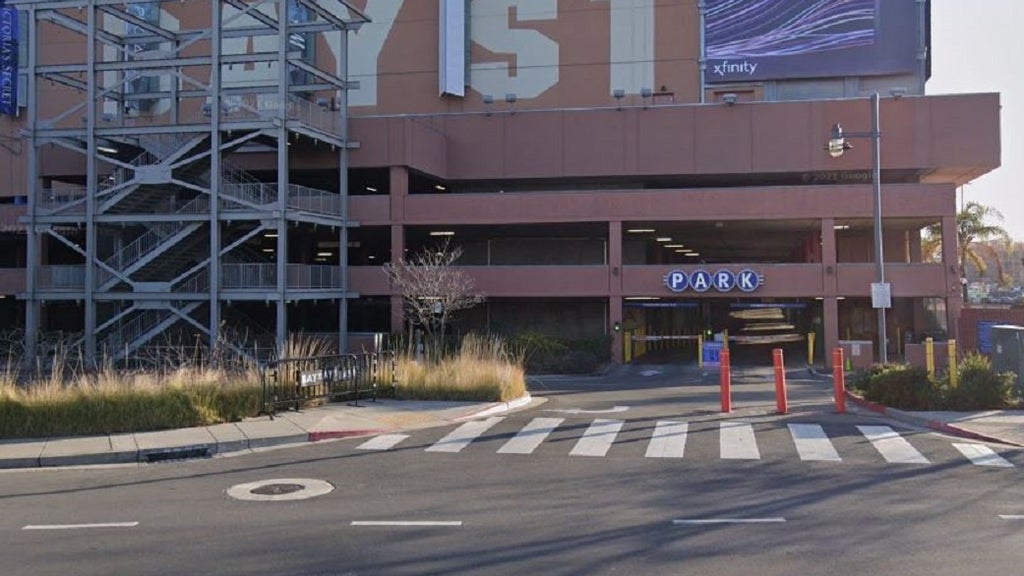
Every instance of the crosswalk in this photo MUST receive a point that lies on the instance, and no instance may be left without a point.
(737, 440)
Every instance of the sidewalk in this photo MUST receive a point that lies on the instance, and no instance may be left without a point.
(334, 420)
(1002, 426)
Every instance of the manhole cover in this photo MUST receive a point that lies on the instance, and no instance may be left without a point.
(280, 489)
(275, 489)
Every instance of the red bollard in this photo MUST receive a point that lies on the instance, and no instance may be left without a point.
(839, 380)
(725, 381)
(780, 382)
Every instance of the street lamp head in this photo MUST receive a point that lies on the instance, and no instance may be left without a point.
(837, 144)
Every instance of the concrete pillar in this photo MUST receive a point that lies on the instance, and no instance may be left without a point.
(399, 183)
(953, 273)
(615, 287)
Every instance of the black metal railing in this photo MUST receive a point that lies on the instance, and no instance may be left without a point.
(291, 383)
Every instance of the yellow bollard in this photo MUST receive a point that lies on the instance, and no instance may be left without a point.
(627, 346)
(952, 364)
(700, 350)
(810, 348)
(929, 356)
(725, 339)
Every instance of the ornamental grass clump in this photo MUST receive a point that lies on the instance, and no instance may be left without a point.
(109, 402)
(482, 371)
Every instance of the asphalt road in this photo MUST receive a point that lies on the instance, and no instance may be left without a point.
(441, 501)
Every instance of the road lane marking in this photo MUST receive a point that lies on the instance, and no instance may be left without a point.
(407, 523)
(812, 444)
(530, 437)
(736, 441)
(80, 526)
(577, 411)
(598, 438)
(981, 455)
(668, 441)
(705, 521)
(893, 447)
(382, 442)
(1011, 516)
(462, 436)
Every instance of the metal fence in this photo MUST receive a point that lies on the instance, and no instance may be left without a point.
(294, 382)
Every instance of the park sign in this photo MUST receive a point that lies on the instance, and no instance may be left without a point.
(8, 60)
(700, 280)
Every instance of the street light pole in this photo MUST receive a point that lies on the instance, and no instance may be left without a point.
(876, 159)
(880, 295)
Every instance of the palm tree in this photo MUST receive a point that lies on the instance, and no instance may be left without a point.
(972, 236)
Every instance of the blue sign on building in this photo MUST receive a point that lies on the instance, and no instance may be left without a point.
(9, 36)
(722, 280)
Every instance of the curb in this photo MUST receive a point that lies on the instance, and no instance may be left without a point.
(497, 408)
(936, 425)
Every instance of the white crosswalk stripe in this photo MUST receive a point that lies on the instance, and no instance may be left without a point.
(812, 444)
(981, 455)
(462, 436)
(737, 442)
(893, 447)
(530, 437)
(598, 438)
(382, 442)
(668, 441)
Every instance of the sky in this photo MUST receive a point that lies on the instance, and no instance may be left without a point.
(975, 48)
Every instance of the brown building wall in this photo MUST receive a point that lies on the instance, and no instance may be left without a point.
(747, 138)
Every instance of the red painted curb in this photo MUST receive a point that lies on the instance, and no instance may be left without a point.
(931, 424)
(334, 434)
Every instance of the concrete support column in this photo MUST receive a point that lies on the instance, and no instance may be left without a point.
(953, 273)
(830, 310)
(829, 284)
(615, 287)
(399, 182)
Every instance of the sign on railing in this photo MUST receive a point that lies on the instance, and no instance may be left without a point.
(292, 382)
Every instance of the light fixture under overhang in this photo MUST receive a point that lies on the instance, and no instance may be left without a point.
(443, 233)
(673, 245)
(841, 227)
(268, 249)
(641, 231)
(439, 187)
(270, 235)
(371, 189)
(324, 254)
(693, 253)
(663, 239)
(106, 149)
(637, 298)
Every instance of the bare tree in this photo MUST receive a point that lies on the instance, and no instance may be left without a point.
(432, 289)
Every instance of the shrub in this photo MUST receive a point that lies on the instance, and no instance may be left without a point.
(900, 386)
(980, 387)
(546, 354)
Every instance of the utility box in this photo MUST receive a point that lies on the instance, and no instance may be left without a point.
(1008, 351)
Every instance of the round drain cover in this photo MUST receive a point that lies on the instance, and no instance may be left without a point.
(277, 489)
(280, 489)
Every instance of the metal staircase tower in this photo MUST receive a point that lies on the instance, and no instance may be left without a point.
(155, 107)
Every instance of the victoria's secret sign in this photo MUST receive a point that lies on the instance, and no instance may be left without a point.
(8, 60)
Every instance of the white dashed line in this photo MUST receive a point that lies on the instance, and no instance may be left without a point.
(80, 526)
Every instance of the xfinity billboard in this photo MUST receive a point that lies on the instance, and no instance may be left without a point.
(775, 39)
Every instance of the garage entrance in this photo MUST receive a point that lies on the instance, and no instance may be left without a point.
(673, 330)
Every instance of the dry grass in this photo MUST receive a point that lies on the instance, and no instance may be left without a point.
(483, 371)
(109, 401)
